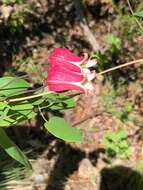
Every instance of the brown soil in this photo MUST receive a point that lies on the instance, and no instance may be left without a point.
(77, 166)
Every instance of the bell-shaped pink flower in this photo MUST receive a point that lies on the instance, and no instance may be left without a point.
(66, 72)
(63, 57)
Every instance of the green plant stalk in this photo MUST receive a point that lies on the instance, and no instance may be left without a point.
(42, 114)
(29, 97)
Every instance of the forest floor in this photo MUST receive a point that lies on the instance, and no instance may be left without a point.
(58, 165)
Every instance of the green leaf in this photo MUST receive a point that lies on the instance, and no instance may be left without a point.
(5, 122)
(15, 118)
(4, 119)
(54, 102)
(58, 127)
(128, 107)
(128, 152)
(37, 101)
(12, 150)
(22, 107)
(123, 144)
(67, 104)
(12, 86)
(113, 40)
(111, 136)
(16, 112)
(24, 110)
(25, 116)
(139, 14)
(66, 96)
(121, 134)
(115, 112)
(112, 147)
(3, 105)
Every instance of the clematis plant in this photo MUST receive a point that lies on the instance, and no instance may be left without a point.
(68, 71)
(16, 106)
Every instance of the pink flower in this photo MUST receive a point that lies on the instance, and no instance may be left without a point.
(69, 72)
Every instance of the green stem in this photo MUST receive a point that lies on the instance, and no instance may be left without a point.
(42, 114)
(29, 97)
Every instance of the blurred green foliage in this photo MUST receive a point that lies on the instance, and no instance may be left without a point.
(111, 101)
(125, 22)
(11, 171)
(106, 59)
(116, 143)
(16, 20)
(14, 109)
(12, 1)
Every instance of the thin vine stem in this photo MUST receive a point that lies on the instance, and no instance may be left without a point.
(41, 113)
(29, 97)
(132, 12)
(119, 66)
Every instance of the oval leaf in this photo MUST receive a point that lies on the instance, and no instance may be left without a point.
(58, 127)
(12, 86)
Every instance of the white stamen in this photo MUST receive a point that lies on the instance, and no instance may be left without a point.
(86, 71)
(89, 89)
(91, 63)
(91, 76)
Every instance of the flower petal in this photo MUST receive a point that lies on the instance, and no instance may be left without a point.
(63, 74)
(66, 58)
(56, 61)
(57, 86)
(64, 53)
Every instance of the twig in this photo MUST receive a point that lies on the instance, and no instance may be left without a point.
(130, 7)
(87, 118)
(119, 66)
(83, 23)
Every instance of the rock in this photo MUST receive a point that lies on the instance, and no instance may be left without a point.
(86, 169)
(5, 11)
(39, 178)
